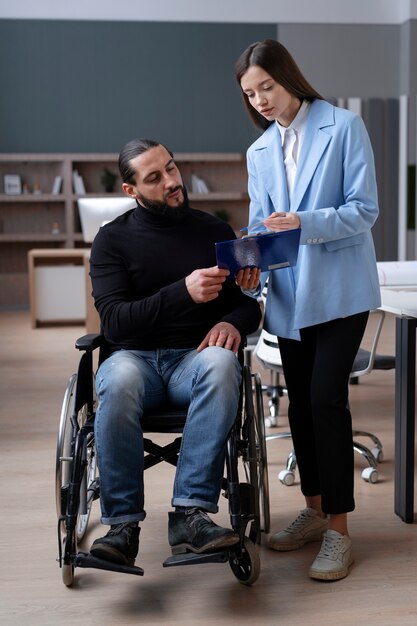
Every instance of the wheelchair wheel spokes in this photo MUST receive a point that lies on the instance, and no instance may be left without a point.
(249, 455)
(75, 478)
(65, 452)
(263, 481)
(254, 456)
(88, 490)
(64, 449)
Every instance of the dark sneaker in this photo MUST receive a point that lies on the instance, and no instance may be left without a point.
(120, 545)
(192, 530)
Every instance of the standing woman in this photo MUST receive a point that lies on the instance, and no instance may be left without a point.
(313, 168)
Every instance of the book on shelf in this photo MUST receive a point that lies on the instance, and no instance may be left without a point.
(198, 185)
(78, 183)
(57, 184)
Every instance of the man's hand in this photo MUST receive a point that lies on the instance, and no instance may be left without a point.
(204, 285)
(223, 335)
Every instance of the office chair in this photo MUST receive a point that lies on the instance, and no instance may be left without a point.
(274, 390)
(94, 212)
(268, 354)
(365, 362)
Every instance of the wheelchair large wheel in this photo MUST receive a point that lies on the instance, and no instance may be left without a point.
(64, 463)
(260, 443)
(65, 444)
(88, 489)
(255, 459)
(246, 565)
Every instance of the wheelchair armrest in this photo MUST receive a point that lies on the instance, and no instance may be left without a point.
(90, 342)
(96, 340)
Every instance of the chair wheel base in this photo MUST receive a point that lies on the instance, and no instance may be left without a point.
(370, 475)
(287, 477)
(270, 421)
(378, 454)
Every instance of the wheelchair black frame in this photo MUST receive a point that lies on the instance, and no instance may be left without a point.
(248, 501)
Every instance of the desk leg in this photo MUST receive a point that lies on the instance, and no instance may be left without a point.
(405, 400)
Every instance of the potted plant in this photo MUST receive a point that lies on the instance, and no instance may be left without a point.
(108, 180)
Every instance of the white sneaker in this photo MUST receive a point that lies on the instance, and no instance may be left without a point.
(334, 559)
(308, 526)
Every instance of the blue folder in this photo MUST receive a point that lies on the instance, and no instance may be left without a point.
(270, 251)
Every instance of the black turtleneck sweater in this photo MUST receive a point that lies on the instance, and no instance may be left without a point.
(139, 262)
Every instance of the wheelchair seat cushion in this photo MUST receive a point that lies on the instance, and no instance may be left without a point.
(164, 421)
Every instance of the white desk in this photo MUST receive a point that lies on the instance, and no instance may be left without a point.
(402, 302)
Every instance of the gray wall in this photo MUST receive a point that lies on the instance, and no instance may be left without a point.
(377, 64)
(408, 56)
(381, 117)
(90, 86)
(347, 60)
(77, 86)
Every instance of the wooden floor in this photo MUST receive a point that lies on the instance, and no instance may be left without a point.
(381, 589)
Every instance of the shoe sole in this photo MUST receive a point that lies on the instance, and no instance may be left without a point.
(106, 553)
(317, 575)
(287, 547)
(222, 542)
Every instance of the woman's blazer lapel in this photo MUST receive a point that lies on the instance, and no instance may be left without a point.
(270, 167)
(316, 140)
(270, 164)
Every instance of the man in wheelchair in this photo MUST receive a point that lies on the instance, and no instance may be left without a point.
(173, 323)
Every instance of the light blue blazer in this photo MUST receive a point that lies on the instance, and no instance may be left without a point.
(335, 197)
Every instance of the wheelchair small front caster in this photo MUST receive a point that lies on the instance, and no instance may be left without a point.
(287, 477)
(246, 566)
(67, 566)
(67, 574)
(370, 475)
(377, 454)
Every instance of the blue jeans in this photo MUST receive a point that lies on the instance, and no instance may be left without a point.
(131, 382)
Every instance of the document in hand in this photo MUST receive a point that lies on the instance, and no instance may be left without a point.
(269, 251)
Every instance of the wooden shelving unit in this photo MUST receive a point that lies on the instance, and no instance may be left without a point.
(48, 220)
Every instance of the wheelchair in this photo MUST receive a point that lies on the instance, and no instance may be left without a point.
(77, 483)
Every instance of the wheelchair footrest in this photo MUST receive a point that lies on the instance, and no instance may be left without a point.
(191, 558)
(82, 559)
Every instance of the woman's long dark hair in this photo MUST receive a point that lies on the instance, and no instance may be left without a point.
(275, 59)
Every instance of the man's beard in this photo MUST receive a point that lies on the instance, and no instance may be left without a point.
(163, 209)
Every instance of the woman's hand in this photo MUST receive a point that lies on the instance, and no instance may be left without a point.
(248, 278)
(282, 221)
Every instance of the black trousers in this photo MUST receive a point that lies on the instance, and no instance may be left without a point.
(317, 371)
